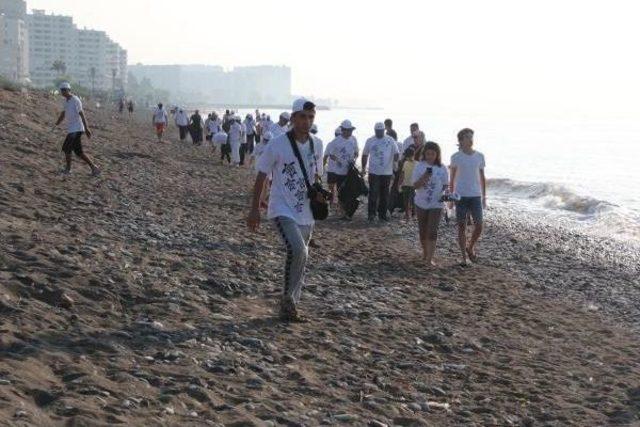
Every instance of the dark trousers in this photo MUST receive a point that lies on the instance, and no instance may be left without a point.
(225, 152)
(196, 134)
(244, 148)
(250, 142)
(378, 195)
(183, 132)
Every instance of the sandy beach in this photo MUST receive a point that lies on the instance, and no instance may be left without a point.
(139, 298)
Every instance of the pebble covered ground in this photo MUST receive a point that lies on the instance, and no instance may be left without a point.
(139, 298)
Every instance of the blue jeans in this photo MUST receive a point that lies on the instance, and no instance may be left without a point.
(468, 205)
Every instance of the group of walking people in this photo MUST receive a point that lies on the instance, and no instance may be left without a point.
(290, 161)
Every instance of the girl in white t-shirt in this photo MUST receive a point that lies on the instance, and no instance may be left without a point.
(430, 180)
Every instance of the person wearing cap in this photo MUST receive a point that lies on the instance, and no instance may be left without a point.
(76, 126)
(289, 203)
(160, 121)
(282, 126)
(381, 153)
(236, 136)
(340, 153)
(249, 127)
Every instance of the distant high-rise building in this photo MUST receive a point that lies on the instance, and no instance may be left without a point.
(14, 40)
(259, 85)
(89, 57)
(265, 84)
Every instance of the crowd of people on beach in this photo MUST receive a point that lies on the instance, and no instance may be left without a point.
(290, 163)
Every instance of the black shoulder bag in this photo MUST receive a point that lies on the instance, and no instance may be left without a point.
(320, 210)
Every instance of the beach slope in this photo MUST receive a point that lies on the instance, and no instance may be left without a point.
(139, 298)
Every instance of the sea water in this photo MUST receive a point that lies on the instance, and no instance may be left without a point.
(578, 172)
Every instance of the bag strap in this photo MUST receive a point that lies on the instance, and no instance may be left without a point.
(296, 151)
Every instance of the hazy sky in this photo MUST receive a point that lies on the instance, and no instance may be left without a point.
(547, 56)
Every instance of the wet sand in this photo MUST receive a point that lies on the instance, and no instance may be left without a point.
(138, 298)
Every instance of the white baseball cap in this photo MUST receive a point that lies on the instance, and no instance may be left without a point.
(379, 126)
(65, 85)
(285, 115)
(347, 125)
(301, 104)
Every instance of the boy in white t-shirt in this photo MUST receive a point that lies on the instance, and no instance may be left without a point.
(289, 203)
(469, 182)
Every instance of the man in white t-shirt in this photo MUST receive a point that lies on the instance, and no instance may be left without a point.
(249, 126)
(160, 121)
(289, 204)
(381, 152)
(340, 153)
(236, 136)
(76, 126)
(182, 122)
(414, 128)
(282, 126)
(469, 182)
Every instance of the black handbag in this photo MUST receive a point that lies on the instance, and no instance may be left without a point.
(320, 210)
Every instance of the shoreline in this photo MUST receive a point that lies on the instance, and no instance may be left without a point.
(139, 298)
(600, 274)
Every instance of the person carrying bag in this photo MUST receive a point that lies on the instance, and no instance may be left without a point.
(319, 205)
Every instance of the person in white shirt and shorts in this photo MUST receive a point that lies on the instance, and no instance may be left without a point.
(469, 182)
(76, 127)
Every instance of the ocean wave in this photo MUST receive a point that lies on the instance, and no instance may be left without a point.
(552, 196)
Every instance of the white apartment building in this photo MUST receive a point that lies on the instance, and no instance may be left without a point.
(51, 38)
(90, 57)
(14, 40)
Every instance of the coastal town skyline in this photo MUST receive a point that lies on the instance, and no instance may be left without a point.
(494, 56)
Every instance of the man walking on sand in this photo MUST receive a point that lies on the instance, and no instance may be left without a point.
(469, 182)
(388, 126)
(182, 122)
(282, 126)
(289, 204)
(160, 121)
(340, 153)
(414, 128)
(76, 126)
(246, 148)
(381, 152)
